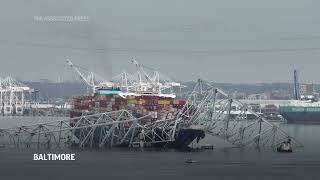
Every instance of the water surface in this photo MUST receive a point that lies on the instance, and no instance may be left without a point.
(223, 162)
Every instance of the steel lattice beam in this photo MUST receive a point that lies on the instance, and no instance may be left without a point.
(212, 109)
(117, 128)
(208, 108)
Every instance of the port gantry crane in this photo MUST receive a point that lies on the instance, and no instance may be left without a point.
(91, 79)
(12, 96)
(142, 81)
(153, 82)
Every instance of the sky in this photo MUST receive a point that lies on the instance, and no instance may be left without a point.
(234, 41)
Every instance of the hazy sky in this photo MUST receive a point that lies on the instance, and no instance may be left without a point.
(223, 41)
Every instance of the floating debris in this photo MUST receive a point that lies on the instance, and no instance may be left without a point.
(189, 161)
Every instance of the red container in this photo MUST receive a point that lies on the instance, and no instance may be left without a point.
(77, 100)
(182, 102)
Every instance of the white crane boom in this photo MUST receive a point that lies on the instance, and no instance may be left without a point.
(152, 81)
(89, 80)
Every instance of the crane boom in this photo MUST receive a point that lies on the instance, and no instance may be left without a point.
(89, 79)
(140, 68)
(92, 79)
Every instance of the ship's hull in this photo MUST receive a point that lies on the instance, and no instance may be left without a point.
(185, 137)
(182, 140)
(157, 107)
(301, 114)
(301, 117)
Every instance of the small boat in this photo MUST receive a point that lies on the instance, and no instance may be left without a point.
(207, 146)
(189, 161)
(285, 147)
(279, 149)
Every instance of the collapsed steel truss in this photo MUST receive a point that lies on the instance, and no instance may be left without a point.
(117, 128)
(208, 108)
(214, 110)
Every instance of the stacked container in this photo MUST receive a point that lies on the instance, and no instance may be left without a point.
(155, 106)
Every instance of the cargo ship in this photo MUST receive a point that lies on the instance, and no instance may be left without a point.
(143, 96)
(306, 110)
(158, 107)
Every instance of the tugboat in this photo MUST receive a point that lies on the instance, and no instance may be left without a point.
(285, 147)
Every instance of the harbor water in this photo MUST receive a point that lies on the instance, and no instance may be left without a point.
(224, 162)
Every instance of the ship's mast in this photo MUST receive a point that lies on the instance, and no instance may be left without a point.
(296, 85)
